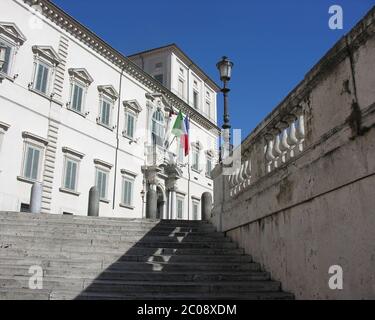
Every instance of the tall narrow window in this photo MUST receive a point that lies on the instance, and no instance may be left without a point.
(195, 99)
(195, 155)
(158, 130)
(32, 162)
(107, 98)
(72, 161)
(180, 207)
(208, 166)
(5, 51)
(102, 183)
(127, 191)
(129, 125)
(195, 210)
(42, 77)
(70, 176)
(181, 88)
(77, 98)
(105, 112)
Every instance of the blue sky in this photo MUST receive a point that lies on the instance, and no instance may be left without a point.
(273, 43)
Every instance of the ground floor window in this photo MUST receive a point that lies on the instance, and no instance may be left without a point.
(127, 191)
(102, 183)
(180, 207)
(195, 210)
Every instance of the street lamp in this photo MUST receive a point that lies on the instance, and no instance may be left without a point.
(225, 69)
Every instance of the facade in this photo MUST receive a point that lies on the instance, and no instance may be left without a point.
(75, 113)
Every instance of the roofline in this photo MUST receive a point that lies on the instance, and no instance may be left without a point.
(176, 49)
(75, 29)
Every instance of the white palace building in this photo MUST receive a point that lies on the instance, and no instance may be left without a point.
(76, 113)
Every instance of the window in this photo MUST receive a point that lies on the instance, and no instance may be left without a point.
(11, 38)
(107, 97)
(180, 207)
(77, 98)
(158, 128)
(159, 77)
(208, 166)
(195, 210)
(101, 182)
(129, 124)
(45, 62)
(105, 112)
(195, 99)
(195, 153)
(127, 191)
(132, 110)
(80, 80)
(181, 88)
(72, 160)
(207, 110)
(70, 174)
(32, 163)
(41, 77)
(5, 55)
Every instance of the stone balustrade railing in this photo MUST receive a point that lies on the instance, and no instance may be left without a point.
(283, 140)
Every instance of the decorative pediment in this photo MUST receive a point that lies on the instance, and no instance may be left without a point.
(159, 100)
(210, 153)
(109, 90)
(11, 31)
(132, 105)
(47, 52)
(81, 74)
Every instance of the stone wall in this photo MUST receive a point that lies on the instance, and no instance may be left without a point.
(303, 197)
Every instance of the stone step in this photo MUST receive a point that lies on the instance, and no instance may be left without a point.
(171, 296)
(123, 243)
(38, 254)
(144, 287)
(108, 228)
(16, 228)
(99, 266)
(133, 250)
(110, 237)
(131, 275)
(56, 218)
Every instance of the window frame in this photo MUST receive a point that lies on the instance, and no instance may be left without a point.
(36, 142)
(49, 67)
(196, 203)
(180, 198)
(105, 168)
(74, 156)
(11, 57)
(131, 180)
(161, 126)
(128, 114)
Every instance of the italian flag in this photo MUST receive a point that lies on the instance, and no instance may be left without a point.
(181, 130)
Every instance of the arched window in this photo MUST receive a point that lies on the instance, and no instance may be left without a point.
(158, 128)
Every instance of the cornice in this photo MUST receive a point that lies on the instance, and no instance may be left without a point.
(86, 36)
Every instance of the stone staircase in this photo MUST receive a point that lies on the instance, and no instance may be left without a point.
(108, 258)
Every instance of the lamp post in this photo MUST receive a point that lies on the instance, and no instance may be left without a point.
(225, 69)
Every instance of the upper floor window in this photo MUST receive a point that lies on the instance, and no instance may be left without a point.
(181, 88)
(157, 129)
(196, 148)
(34, 147)
(207, 110)
(45, 62)
(195, 99)
(11, 38)
(80, 80)
(132, 110)
(208, 166)
(107, 98)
